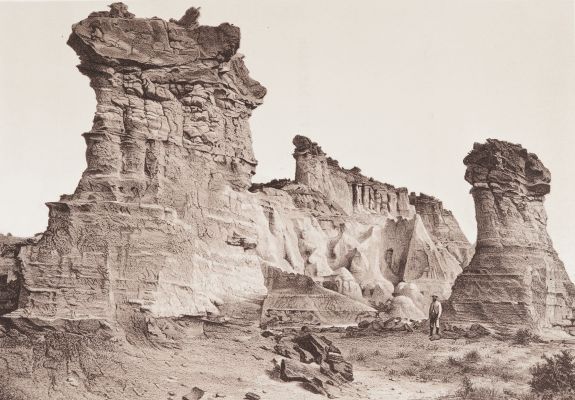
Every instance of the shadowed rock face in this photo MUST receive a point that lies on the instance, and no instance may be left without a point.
(515, 276)
(9, 271)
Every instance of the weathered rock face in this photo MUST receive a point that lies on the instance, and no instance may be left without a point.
(156, 222)
(10, 272)
(161, 223)
(442, 226)
(364, 239)
(515, 276)
(347, 188)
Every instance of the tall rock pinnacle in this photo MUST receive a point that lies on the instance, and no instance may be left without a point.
(515, 276)
(170, 147)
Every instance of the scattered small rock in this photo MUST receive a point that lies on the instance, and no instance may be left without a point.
(195, 394)
(72, 381)
(251, 396)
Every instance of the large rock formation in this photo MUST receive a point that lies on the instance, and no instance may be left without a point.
(515, 276)
(162, 225)
(366, 239)
(156, 222)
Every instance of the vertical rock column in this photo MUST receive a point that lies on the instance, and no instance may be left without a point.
(168, 156)
(515, 276)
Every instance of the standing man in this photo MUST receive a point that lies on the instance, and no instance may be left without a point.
(434, 314)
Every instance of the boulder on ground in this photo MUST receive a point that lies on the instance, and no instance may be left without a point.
(195, 394)
(293, 371)
(309, 349)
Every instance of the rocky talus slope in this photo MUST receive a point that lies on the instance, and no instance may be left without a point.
(515, 276)
(162, 223)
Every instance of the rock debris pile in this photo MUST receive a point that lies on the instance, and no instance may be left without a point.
(312, 360)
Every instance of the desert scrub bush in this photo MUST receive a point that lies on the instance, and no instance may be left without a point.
(524, 336)
(498, 370)
(465, 388)
(486, 393)
(401, 354)
(470, 364)
(555, 374)
(359, 356)
(429, 365)
(454, 362)
(425, 377)
(354, 354)
(472, 356)
(545, 396)
(468, 391)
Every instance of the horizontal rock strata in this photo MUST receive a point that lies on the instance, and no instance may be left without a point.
(366, 239)
(156, 222)
(162, 223)
(515, 276)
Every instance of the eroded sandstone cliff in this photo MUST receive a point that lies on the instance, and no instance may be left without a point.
(442, 226)
(515, 276)
(161, 223)
(156, 222)
(369, 242)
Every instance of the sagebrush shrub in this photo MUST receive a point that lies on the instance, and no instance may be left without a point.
(555, 374)
(524, 337)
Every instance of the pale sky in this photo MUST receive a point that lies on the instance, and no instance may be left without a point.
(401, 89)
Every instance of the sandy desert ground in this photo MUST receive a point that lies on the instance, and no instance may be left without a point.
(229, 360)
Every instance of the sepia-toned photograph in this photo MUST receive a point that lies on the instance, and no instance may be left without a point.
(287, 200)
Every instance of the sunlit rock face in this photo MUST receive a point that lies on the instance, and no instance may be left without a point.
(515, 276)
(157, 221)
(367, 238)
(162, 223)
(349, 189)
